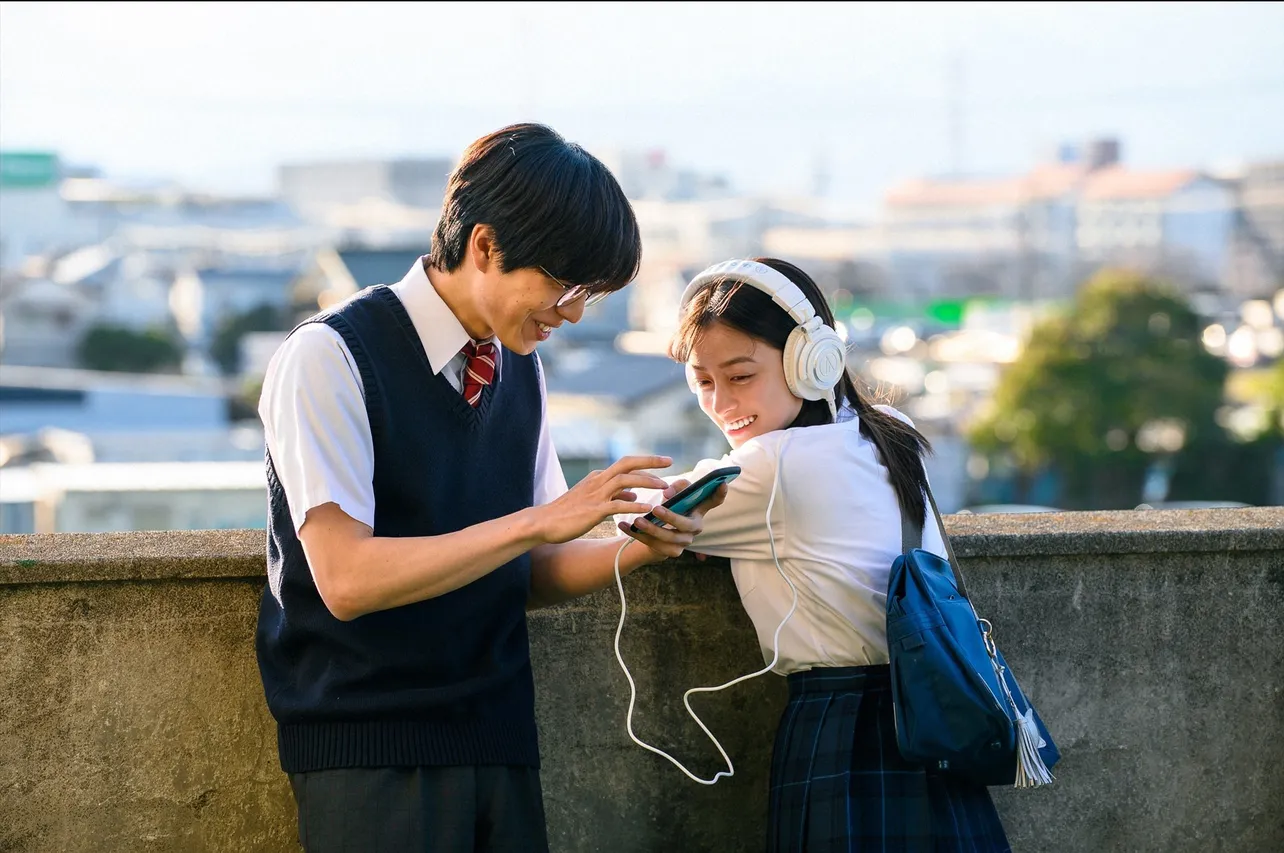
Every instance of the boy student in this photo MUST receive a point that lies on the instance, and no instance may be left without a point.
(417, 509)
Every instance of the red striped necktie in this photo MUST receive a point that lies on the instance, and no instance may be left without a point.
(479, 369)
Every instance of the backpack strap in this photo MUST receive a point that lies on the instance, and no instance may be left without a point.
(912, 537)
(911, 533)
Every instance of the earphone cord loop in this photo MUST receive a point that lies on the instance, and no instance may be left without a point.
(686, 697)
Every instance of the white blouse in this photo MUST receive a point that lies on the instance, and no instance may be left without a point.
(836, 524)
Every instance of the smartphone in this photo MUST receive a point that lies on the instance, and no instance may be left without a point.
(695, 494)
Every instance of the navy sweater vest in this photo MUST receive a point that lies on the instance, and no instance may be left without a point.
(445, 681)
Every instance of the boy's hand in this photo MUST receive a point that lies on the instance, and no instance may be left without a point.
(599, 496)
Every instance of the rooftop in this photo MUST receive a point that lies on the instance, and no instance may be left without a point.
(620, 377)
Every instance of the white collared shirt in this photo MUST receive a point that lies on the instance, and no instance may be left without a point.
(314, 412)
(837, 530)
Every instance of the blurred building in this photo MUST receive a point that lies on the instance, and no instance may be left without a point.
(48, 209)
(41, 320)
(371, 199)
(1005, 237)
(186, 293)
(1010, 237)
(648, 174)
(1257, 253)
(35, 218)
(604, 404)
(1038, 235)
(371, 265)
(1176, 223)
(108, 497)
(124, 417)
(227, 290)
(682, 238)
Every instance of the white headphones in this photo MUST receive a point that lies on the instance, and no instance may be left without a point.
(815, 356)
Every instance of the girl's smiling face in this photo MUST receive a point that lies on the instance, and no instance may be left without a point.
(740, 381)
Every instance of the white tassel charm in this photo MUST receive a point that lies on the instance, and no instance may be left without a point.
(1031, 772)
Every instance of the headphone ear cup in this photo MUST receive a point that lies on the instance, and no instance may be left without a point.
(814, 361)
(827, 360)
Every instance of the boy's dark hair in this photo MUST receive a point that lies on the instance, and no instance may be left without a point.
(551, 204)
(749, 310)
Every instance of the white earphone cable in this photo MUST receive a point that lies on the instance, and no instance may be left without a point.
(686, 697)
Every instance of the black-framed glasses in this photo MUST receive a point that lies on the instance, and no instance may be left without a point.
(575, 292)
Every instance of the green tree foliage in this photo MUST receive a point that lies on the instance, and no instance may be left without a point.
(1244, 469)
(244, 404)
(108, 347)
(226, 346)
(1275, 395)
(1103, 388)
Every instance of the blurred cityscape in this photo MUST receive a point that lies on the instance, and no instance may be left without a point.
(136, 320)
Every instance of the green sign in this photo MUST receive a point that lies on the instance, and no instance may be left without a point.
(28, 169)
(947, 311)
(944, 312)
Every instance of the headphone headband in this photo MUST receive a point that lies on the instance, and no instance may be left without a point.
(814, 355)
(775, 284)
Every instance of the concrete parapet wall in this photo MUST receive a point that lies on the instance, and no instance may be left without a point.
(132, 717)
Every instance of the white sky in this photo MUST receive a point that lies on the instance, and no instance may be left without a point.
(217, 94)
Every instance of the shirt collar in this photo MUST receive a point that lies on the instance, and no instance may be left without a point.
(440, 331)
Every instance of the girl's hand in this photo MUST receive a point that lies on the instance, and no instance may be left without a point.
(667, 542)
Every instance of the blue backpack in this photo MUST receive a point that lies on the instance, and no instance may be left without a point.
(958, 707)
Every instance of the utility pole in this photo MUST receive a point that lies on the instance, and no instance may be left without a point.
(820, 174)
(954, 112)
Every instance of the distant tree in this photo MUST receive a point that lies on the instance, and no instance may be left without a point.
(109, 347)
(226, 346)
(243, 405)
(1275, 397)
(1119, 380)
(1245, 468)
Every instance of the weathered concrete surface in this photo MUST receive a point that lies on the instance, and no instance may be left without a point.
(684, 628)
(1162, 677)
(131, 715)
(131, 720)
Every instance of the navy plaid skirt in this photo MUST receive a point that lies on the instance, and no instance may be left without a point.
(838, 782)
